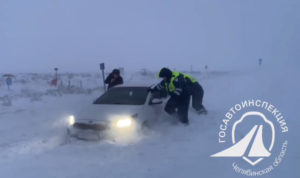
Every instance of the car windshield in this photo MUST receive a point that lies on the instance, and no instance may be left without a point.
(124, 95)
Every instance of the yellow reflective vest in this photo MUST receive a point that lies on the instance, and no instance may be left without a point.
(171, 87)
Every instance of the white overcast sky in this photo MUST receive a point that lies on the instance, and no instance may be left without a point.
(76, 35)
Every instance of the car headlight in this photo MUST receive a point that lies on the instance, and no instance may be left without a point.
(121, 123)
(71, 120)
(124, 128)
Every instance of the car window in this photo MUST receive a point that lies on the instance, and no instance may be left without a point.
(124, 95)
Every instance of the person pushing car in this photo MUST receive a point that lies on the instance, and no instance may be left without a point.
(114, 78)
(181, 88)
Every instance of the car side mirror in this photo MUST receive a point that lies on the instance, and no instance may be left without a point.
(155, 101)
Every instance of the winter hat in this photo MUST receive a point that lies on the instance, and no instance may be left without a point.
(116, 71)
(165, 72)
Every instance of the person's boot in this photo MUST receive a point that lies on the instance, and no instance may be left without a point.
(202, 111)
(184, 121)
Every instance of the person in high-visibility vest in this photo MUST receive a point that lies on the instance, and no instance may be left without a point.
(180, 87)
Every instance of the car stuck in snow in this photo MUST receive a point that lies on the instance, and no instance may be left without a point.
(119, 111)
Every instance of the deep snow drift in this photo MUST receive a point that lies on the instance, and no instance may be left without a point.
(33, 129)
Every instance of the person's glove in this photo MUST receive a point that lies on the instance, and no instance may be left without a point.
(150, 90)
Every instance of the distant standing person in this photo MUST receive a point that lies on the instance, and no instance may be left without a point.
(114, 78)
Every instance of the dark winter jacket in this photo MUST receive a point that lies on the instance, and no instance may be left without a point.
(111, 81)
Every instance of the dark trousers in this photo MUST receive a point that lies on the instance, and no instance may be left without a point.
(197, 96)
(179, 106)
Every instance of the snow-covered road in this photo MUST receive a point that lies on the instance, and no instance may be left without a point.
(33, 134)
